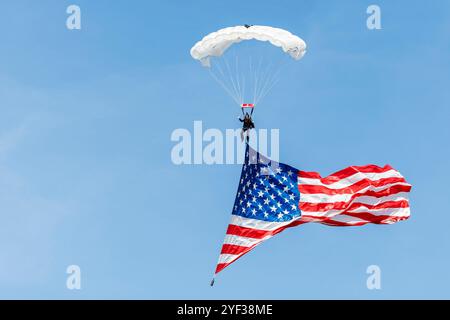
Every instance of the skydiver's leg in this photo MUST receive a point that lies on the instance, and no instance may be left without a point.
(247, 135)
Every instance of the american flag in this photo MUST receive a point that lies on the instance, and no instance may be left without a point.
(274, 196)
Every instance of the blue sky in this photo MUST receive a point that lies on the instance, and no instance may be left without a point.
(86, 176)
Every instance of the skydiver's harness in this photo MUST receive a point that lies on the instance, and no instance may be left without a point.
(248, 122)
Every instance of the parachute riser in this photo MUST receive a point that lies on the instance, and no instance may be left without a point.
(247, 106)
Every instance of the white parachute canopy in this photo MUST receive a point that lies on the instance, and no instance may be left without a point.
(247, 72)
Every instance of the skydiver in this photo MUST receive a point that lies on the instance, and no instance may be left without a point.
(247, 125)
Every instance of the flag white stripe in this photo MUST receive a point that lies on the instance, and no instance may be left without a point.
(326, 198)
(347, 182)
(365, 208)
(227, 258)
(256, 224)
(382, 211)
(371, 200)
(395, 212)
(347, 219)
(241, 241)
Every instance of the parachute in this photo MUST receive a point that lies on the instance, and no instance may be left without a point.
(243, 61)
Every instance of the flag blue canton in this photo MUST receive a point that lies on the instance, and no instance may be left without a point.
(267, 190)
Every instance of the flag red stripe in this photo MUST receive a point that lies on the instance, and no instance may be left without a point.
(247, 232)
(323, 207)
(344, 224)
(354, 188)
(385, 206)
(373, 218)
(367, 217)
(306, 206)
(256, 233)
(221, 266)
(233, 249)
(241, 250)
(345, 173)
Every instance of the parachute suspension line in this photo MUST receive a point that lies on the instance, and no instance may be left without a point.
(232, 79)
(256, 78)
(227, 79)
(272, 81)
(237, 78)
(244, 81)
(265, 77)
(224, 80)
(247, 78)
(221, 83)
(258, 75)
(250, 73)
